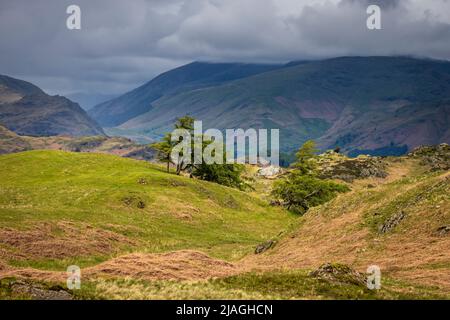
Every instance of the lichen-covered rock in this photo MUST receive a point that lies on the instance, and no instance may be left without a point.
(436, 157)
(264, 246)
(392, 222)
(336, 166)
(36, 291)
(339, 273)
(442, 231)
(269, 171)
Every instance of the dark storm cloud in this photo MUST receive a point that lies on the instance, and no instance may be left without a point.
(125, 43)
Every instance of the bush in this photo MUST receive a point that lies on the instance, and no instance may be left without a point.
(301, 189)
(301, 192)
(225, 174)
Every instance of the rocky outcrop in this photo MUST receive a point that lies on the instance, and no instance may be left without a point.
(442, 231)
(269, 171)
(436, 157)
(336, 166)
(392, 222)
(265, 246)
(33, 290)
(339, 273)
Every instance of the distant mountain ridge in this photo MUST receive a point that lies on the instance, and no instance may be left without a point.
(384, 105)
(27, 110)
(189, 77)
(88, 100)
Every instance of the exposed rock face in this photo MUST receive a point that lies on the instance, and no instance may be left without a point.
(264, 246)
(339, 273)
(36, 291)
(27, 110)
(442, 231)
(436, 157)
(392, 222)
(334, 166)
(269, 171)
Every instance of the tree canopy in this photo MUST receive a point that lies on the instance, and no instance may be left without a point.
(301, 189)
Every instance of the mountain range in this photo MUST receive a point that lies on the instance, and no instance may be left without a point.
(375, 105)
(27, 110)
(364, 105)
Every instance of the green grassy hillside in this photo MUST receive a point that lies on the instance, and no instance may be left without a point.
(138, 232)
(61, 207)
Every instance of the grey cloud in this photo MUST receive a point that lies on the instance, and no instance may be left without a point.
(384, 4)
(125, 43)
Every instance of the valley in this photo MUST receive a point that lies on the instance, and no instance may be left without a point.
(234, 157)
(364, 105)
(90, 190)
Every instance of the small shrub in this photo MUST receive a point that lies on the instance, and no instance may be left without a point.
(300, 192)
(300, 189)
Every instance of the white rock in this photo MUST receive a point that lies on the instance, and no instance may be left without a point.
(269, 171)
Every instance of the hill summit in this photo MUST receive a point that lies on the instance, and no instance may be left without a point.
(27, 110)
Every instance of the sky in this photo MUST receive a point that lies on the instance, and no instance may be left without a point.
(123, 44)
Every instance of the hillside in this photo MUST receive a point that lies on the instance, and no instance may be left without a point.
(140, 233)
(377, 105)
(27, 110)
(11, 142)
(130, 205)
(400, 223)
(186, 78)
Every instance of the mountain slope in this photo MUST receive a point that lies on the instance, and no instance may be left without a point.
(189, 77)
(27, 110)
(354, 102)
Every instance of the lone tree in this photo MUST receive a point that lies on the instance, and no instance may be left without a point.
(166, 145)
(301, 189)
(225, 174)
(164, 148)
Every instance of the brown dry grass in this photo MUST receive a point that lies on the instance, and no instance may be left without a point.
(331, 233)
(335, 233)
(176, 265)
(58, 241)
